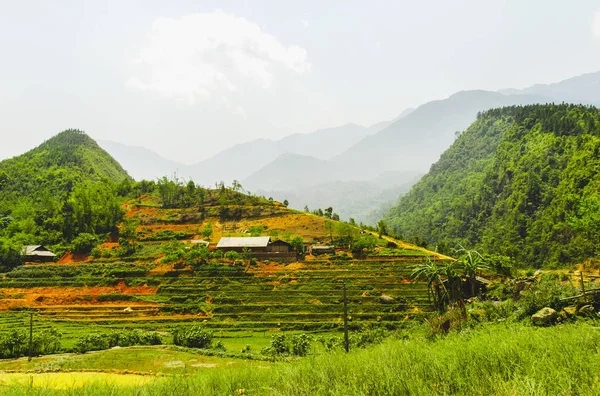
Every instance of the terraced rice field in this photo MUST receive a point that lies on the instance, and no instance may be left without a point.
(299, 297)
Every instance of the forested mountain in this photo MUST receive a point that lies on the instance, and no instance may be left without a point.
(65, 187)
(522, 182)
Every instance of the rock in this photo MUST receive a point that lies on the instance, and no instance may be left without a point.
(387, 300)
(570, 311)
(586, 310)
(544, 316)
(128, 309)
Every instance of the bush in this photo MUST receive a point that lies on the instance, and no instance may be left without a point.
(92, 342)
(97, 341)
(193, 337)
(84, 243)
(300, 345)
(547, 292)
(232, 255)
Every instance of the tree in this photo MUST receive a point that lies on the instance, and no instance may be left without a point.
(471, 262)
(431, 273)
(285, 203)
(381, 228)
(328, 212)
(167, 189)
(306, 209)
(207, 231)
(329, 227)
(335, 217)
(297, 244)
(84, 243)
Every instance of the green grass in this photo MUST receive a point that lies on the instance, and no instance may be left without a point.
(500, 359)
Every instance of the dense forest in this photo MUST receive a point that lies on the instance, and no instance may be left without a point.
(64, 188)
(522, 182)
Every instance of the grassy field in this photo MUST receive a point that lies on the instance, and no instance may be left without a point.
(498, 359)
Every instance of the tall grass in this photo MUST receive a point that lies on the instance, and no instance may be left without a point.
(499, 359)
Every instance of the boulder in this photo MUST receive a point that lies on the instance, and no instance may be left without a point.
(570, 311)
(387, 300)
(586, 310)
(128, 309)
(544, 316)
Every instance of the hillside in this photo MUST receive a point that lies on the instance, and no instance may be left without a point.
(521, 182)
(64, 187)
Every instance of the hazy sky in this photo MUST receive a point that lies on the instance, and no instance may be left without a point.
(189, 78)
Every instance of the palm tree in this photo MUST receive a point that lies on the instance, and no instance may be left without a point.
(432, 273)
(471, 262)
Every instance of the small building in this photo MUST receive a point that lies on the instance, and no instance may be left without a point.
(260, 247)
(255, 244)
(322, 249)
(199, 242)
(37, 253)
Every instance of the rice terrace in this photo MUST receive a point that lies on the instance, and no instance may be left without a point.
(300, 198)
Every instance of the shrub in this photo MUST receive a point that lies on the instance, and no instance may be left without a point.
(232, 255)
(547, 292)
(92, 342)
(300, 345)
(193, 337)
(84, 243)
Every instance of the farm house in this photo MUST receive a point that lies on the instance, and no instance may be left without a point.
(37, 254)
(260, 247)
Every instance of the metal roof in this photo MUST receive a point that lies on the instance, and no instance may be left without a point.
(244, 242)
(32, 250)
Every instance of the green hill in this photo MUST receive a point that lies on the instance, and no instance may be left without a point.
(65, 187)
(521, 182)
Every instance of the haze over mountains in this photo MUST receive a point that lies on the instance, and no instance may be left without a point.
(315, 168)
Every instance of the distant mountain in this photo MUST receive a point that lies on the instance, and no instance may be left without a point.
(522, 182)
(366, 202)
(416, 141)
(583, 89)
(242, 160)
(292, 171)
(384, 124)
(142, 163)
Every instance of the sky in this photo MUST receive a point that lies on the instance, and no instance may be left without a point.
(187, 79)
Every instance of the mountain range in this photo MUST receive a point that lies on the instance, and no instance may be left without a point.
(351, 153)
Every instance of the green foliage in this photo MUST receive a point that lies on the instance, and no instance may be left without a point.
(84, 243)
(232, 255)
(65, 187)
(521, 182)
(363, 244)
(207, 231)
(100, 341)
(256, 230)
(10, 255)
(297, 244)
(15, 343)
(193, 337)
(547, 292)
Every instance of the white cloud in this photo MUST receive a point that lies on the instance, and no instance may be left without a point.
(596, 25)
(207, 55)
(305, 24)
